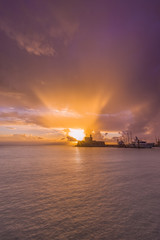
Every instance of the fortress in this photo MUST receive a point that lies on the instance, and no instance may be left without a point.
(89, 142)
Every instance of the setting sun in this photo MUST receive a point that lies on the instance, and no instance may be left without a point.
(77, 133)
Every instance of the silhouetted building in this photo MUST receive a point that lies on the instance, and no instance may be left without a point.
(89, 142)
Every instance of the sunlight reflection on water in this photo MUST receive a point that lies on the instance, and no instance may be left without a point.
(59, 192)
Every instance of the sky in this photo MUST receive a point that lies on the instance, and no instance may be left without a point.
(79, 64)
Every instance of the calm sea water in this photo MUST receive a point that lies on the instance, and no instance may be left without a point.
(63, 193)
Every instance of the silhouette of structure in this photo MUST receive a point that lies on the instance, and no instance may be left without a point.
(135, 144)
(89, 142)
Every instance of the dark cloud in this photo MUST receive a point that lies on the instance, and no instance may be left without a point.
(100, 60)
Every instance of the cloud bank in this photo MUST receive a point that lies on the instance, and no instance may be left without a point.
(96, 64)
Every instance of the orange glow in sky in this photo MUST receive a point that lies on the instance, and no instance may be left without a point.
(77, 133)
(76, 71)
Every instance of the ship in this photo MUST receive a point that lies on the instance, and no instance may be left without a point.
(89, 142)
(136, 144)
(140, 144)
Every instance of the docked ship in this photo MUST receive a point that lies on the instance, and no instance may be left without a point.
(136, 144)
(89, 142)
(140, 144)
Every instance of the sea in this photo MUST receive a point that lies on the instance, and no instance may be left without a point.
(71, 193)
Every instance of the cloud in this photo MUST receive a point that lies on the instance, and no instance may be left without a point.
(11, 94)
(11, 128)
(19, 138)
(105, 69)
(40, 117)
(33, 44)
(34, 34)
(71, 139)
(28, 134)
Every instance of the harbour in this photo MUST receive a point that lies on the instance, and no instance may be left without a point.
(89, 142)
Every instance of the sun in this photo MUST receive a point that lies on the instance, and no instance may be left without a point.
(77, 133)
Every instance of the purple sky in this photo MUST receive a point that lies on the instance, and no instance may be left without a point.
(80, 64)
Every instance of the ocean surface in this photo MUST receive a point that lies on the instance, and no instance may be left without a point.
(64, 193)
